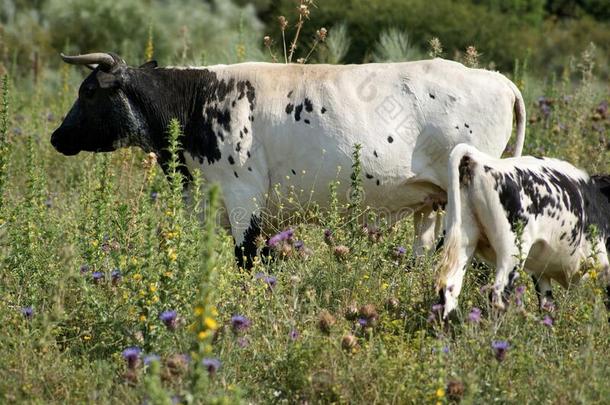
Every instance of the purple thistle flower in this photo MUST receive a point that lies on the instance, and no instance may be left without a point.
(400, 251)
(284, 236)
(500, 348)
(27, 312)
(363, 322)
(519, 291)
(270, 281)
(169, 319)
(294, 334)
(299, 244)
(115, 276)
(97, 276)
(211, 364)
(154, 195)
(132, 354)
(240, 323)
(150, 358)
(548, 321)
(475, 315)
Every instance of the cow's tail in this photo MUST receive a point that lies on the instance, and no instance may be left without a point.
(453, 238)
(520, 118)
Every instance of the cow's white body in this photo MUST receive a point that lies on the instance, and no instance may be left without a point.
(426, 108)
(526, 210)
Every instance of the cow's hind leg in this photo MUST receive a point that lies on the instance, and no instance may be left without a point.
(424, 224)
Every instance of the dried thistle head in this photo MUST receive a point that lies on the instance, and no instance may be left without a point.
(349, 343)
(472, 57)
(301, 61)
(369, 312)
(321, 34)
(304, 10)
(267, 41)
(436, 48)
(455, 390)
(341, 252)
(326, 321)
(283, 22)
(149, 161)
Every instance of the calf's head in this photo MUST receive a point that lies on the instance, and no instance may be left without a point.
(102, 118)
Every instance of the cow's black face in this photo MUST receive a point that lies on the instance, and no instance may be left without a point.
(101, 119)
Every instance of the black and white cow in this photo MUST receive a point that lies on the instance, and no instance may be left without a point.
(544, 213)
(258, 128)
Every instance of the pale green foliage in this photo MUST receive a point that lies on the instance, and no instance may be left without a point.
(394, 46)
(337, 44)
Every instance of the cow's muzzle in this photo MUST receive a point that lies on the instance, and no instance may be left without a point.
(62, 146)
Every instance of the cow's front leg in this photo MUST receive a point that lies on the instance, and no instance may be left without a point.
(544, 292)
(244, 205)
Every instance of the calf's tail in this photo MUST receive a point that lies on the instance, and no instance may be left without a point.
(458, 168)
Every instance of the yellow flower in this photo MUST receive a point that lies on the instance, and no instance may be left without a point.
(440, 393)
(152, 287)
(155, 299)
(94, 243)
(137, 277)
(203, 335)
(593, 274)
(169, 274)
(142, 293)
(214, 311)
(210, 323)
(199, 310)
(87, 337)
(142, 318)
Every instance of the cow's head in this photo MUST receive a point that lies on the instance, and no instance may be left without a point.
(103, 117)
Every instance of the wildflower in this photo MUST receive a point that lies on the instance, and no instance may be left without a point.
(154, 195)
(548, 321)
(349, 343)
(84, 269)
(299, 244)
(178, 363)
(210, 323)
(440, 393)
(341, 252)
(270, 281)
(351, 312)
(115, 276)
(321, 34)
(151, 358)
(27, 312)
(325, 321)
(400, 252)
(363, 322)
(169, 319)
(392, 304)
(239, 323)
(294, 334)
(369, 313)
(98, 276)
(328, 237)
(211, 364)
(475, 315)
(455, 390)
(242, 341)
(132, 355)
(284, 236)
(267, 41)
(283, 22)
(500, 348)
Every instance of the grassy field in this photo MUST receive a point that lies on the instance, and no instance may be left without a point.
(112, 291)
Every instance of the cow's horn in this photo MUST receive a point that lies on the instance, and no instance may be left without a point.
(99, 58)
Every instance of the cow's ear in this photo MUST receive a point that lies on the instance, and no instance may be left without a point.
(108, 80)
(603, 182)
(151, 64)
